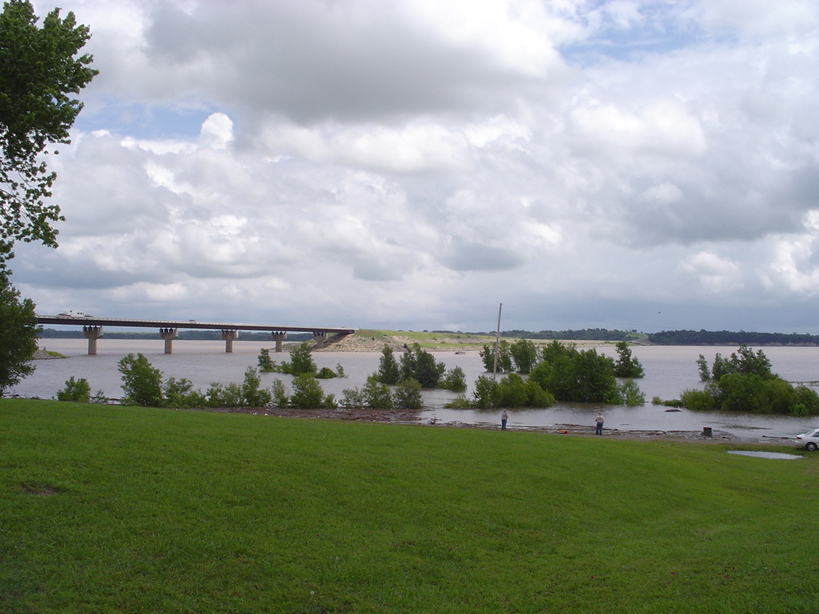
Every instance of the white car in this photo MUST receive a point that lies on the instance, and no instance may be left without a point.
(809, 440)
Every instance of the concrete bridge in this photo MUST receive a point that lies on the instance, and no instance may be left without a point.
(92, 329)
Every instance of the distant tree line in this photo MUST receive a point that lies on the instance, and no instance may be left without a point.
(584, 334)
(725, 337)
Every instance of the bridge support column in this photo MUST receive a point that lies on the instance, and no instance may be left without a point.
(319, 338)
(279, 338)
(92, 333)
(229, 336)
(168, 334)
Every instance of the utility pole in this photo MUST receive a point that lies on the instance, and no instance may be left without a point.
(497, 339)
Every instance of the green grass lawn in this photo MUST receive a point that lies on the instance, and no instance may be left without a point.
(111, 509)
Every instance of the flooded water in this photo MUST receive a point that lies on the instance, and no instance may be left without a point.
(771, 455)
(669, 371)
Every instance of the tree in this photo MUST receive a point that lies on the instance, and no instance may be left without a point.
(407, 395)
(418, 364)
(454, 380)
(18, 335)
(576, 375)
(745, 383)
(388, 371)
(504, 357)
(627, 366)
(252, 394)
(266, 364)
(39, 71)
(141, 383)
(307, 394)
(301, 361)
(376, 395)
(524, 353)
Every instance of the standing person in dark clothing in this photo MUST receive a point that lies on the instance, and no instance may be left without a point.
(598, 427)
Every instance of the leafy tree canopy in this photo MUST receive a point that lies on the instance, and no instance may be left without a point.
(39, 72)
(18, 335)
(745, 383)
(627, 365)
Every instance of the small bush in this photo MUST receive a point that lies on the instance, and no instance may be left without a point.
(668, 403)
(266, 364)
(280, 398)
(326, 373)
(454, 380)
(698, 400)
(352, 398)
(252, 393)
(630, 393)
(77, 391)
(307, 393)
(487, 393)
(219, 395)
(459, 402)
(180, 393)
(407, 395)
(376, 395)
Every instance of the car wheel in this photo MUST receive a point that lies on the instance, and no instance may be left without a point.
(810, 446)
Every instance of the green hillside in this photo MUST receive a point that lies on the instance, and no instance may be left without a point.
(115, 509)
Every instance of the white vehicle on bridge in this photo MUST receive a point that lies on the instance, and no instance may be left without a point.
(70, 313)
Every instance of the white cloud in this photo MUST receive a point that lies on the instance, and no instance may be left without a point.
(217, 131)
(414, 163)
(663, 127)
(715, 273)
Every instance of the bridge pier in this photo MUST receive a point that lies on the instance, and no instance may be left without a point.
(229, 336)
(279, 338)
(92, 333)
(319, 338)
(168, 334)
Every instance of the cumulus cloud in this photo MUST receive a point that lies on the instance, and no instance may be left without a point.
(412, 164)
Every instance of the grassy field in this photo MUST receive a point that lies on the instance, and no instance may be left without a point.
(111, 509)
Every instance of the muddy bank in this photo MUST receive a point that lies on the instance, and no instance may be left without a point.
(412, 417)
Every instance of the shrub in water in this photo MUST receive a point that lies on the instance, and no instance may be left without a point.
(454, 380)
(630, 393)
(376, 395)
(388, 370)
(420, 365)
(487, 393)
(266, 364)
(407, 395)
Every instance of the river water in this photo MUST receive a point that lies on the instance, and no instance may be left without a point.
(669, 371)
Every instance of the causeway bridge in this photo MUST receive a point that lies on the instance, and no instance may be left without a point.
(92, 329)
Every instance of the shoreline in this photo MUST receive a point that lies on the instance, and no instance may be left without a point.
(413, 418)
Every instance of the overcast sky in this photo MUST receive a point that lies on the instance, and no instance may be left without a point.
(412, 164)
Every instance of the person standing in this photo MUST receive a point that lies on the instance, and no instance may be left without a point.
(504, 418)
(598, 426)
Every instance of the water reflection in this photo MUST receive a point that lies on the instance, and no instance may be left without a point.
(773, 455)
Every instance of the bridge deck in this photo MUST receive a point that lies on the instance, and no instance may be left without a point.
(191, 324)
